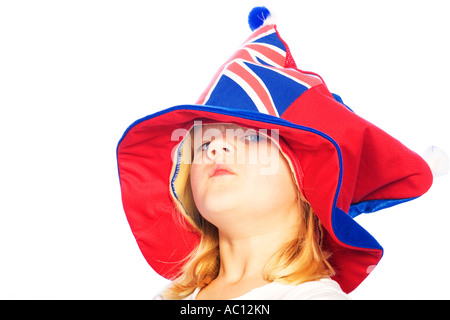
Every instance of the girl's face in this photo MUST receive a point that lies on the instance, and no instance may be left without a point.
(239, 176)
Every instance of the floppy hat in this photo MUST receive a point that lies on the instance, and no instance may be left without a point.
(346, 165)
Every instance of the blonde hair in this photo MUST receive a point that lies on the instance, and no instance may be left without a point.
(300, 260)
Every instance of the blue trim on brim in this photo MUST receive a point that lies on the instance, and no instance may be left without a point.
(374, 205)
(177, 170)
(345, 228)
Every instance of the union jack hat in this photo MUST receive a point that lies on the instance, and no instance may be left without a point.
(348, 166)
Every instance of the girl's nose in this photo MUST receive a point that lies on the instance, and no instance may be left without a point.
(219, 149)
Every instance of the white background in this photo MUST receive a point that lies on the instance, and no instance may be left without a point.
(75, 74)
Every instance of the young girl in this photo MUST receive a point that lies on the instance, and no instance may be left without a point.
(251, 192)
(256, 227)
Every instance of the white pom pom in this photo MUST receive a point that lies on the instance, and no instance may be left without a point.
(438, 161)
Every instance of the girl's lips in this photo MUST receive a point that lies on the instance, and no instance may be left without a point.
(220, 170)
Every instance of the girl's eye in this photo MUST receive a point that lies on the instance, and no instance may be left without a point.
(253, 138)
(204, 146)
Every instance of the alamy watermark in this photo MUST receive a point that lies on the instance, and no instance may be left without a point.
(227, 143)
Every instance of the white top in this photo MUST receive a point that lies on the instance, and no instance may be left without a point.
(324, 289)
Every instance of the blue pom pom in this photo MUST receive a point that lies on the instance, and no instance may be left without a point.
(257, 16)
